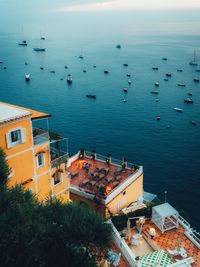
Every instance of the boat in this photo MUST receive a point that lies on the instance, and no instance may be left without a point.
(194, 61)
(188, 101)
(165, 79)
(84, 70)
(168, 74)
(22, 44)
(124, 100)
(41, 68)
(164, 58)
(190, 94)
(94, 66)
(197, 70)
(66, 67)
(118, 46)
(27, 77)
(106, 71)
(129, 81)
(154, 92)
(158, 118)
(196, 80)
(128, 75)
(81, 57)
(181, 84)
(69, 78)
(91, 96)
(125, 90)
(193, 122)
(179, 70)
(52, 71)
(125, 65)
(178, 109)
(26, 63)
(37, 49)
(154, 68)
(157, 100)
(156, 84)
(42, 38)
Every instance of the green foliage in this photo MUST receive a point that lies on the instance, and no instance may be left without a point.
(54, 136)
(49, 234)
(4, 168)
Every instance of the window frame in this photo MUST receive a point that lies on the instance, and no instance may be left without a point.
(22, 135)
(43, 160)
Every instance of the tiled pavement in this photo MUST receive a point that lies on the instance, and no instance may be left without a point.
(175, 238)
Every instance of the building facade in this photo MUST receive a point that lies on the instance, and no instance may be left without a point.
(35, 160)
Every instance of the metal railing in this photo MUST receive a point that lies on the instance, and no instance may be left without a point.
(114, 161)
(59, 160)
(40, 136)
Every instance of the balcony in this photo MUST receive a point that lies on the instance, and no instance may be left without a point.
(58, 157)
(40, 136)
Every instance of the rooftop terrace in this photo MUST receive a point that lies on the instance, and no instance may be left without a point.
(173, 240)
(93, 175)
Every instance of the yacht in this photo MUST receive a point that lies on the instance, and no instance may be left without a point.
(164, 58)
(27, 77)
(178, 109)
(188, 101)
(69, 79)
(154, 68)
(154, 92)
(196, 80)
(106, 71)
(129, 81)
(181, 84)
(125, 90)
(37, 49)
(168, 74)
(125, 65)
(23, 43)
(91, 96)
(194, 61)
(156, 84)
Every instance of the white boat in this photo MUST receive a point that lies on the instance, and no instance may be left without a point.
(129, 81)
(194, 61)
(124, 100)
(69, 78)
(178, 109)
(156, 84)
(27, 77)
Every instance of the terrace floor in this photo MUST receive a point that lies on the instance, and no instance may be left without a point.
(99, 174)
(173, 239)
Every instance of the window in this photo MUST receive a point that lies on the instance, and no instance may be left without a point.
(40, 160)
(15, 137)
(57, 177)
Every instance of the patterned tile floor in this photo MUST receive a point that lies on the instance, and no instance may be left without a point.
(82, 175)
(172, 239)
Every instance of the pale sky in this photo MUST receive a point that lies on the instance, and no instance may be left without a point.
(111, 5)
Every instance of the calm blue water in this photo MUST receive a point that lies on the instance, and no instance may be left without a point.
(170, 156)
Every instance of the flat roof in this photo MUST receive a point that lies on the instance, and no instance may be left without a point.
(99, 174)
(11, 112)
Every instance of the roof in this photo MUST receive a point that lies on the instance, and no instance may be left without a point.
(165, 210)
(10, 112)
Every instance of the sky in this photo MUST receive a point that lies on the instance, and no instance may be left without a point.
(112, 5)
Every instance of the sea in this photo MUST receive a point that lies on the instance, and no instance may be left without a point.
(169, 148)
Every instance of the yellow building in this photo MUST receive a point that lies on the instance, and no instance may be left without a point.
(105, 183)
(35, 161)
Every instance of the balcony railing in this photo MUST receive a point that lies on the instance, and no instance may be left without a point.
(58, 157)
(40, 136)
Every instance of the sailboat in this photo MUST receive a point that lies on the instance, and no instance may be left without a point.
(194, 61)
(23, 42)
